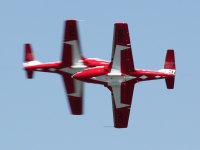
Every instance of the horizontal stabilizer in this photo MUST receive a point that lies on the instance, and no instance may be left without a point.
(29, 74)
(170, 82)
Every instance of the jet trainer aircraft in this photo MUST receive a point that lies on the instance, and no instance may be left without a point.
(71, 62)
(120, 76)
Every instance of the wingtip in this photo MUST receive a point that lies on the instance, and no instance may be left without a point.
(71, 20)
(121, 23)
(170, 50)
(27, 44)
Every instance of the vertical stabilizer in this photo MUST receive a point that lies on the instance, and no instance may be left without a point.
(171, 67)
(28, 58)
(170, 60)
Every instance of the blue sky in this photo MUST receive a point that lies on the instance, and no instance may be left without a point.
(34, 113)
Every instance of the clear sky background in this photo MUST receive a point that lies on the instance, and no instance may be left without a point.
(34, 114)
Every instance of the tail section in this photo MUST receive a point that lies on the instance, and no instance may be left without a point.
(170, 60)
(170, 82)
(29, 60)
(29, 56)
(29, 74)
(170, 67)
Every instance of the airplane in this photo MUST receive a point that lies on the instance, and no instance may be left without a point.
(71, 62)
(120, 75)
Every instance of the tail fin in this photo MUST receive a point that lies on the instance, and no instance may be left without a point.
(170, 60)
(171, 66)
(170, 82)
(28, 57)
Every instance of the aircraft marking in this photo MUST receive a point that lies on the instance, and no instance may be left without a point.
(117, 97)
(116, 65)
(77, 89)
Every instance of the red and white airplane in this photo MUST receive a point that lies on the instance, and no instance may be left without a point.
(71, 62)
(120, 76)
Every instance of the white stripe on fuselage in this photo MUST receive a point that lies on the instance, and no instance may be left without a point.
(31, 63)
(113, 79)
(72, 70)
(169, 71)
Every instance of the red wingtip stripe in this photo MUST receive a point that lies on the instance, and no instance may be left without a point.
(76, 105)
(121, 117)
(71, 32)
(121, 35)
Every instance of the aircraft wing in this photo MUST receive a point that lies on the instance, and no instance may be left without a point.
(71, 55)
(71, 62)
(122, 98)
(74, 91)
(122, 59)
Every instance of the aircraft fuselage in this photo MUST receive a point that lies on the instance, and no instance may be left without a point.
(56, 67)
(101, 75)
